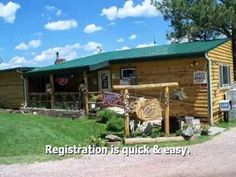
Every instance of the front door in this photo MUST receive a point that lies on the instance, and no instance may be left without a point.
(104, 80)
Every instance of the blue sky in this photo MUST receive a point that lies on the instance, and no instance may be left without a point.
(32, 31)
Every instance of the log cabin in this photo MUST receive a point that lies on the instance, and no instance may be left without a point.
(12, 87)
(203, 69)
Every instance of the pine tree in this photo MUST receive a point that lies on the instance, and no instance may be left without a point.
(200, 19)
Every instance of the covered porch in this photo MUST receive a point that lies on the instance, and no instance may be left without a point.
(61, 89)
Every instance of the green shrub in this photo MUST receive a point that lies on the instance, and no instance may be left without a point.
(115, 124)
(179, 132)
(137, 133)
(205, 130)
(97, 142)
(105, 115)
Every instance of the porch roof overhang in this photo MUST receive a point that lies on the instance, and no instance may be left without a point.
(163, 52)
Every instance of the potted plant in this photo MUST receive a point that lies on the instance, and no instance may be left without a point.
(93, 102)
(205, 130)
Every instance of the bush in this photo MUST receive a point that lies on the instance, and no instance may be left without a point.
(205, 130)
(179, 132)
(97, 142)
(105, 115)
(115, 124)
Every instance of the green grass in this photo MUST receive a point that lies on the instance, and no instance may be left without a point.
(23, 137)
(227, 125)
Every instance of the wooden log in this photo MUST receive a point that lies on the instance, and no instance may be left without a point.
(126, 120)
(144, 109)
(85, 76)
(51, 78)
(26, 91)
(145, 86)
(167, 112)
(134, 141)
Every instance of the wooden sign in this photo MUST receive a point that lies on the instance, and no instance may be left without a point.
(62, 80)
(200, 77)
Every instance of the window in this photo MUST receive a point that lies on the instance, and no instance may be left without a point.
(224, 75)
(128, 76)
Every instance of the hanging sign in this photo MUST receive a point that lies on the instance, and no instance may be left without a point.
(200, 77)
(62, 80)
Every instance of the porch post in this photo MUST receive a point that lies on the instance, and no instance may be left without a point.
(86, 92)
(167, 112)
(26, 90)
(51, 78)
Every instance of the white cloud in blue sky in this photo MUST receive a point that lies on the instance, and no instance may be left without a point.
(91, 28)
(8, 11)
(133, 37)
(61, 25)
(32, 44)
(54, 9)
(120, 40)
(129, 9)
(32, 36)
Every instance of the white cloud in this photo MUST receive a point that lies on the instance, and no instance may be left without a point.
(8, 11)
(145, 45)
(21, 46)
(92, 46)
(57, 11)
(34, 43)
(61, 25)
(31, 44)
(91, 28)
(120, 40)
(110, 13)
(15, 62)
(181, 40)
(38, 34)
(19, 61)
(133, 37)
(67, 52)
(123, 48)
(129, 9)
(111, 24)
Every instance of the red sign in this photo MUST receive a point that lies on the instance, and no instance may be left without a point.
(62, 80)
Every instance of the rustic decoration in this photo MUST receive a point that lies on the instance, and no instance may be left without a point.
(127, 111)
(62, 80)
(146, 109)
(178, 95)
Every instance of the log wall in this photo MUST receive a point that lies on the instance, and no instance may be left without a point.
(174, 70)
(220, 55)
(11, 90)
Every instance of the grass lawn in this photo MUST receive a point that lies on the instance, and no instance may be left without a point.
(227, 125)
(23, 137)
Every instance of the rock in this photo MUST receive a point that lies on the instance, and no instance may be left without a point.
(113, 138)
(215, 130)
(189, 120)
(132, 125)
(188, 132)
(35, 113)
(148, 129)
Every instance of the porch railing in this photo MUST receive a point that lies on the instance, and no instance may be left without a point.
(63, 100)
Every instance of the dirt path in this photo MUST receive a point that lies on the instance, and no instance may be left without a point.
(214, 158)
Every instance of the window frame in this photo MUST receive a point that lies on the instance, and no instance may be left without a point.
(126, 78)
(221, 76)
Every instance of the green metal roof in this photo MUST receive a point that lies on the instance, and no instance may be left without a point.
(20, 69)
(97, 61)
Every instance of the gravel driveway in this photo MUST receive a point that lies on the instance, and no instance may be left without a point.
(216, 157)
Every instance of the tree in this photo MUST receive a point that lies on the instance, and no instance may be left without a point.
(200, 19)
